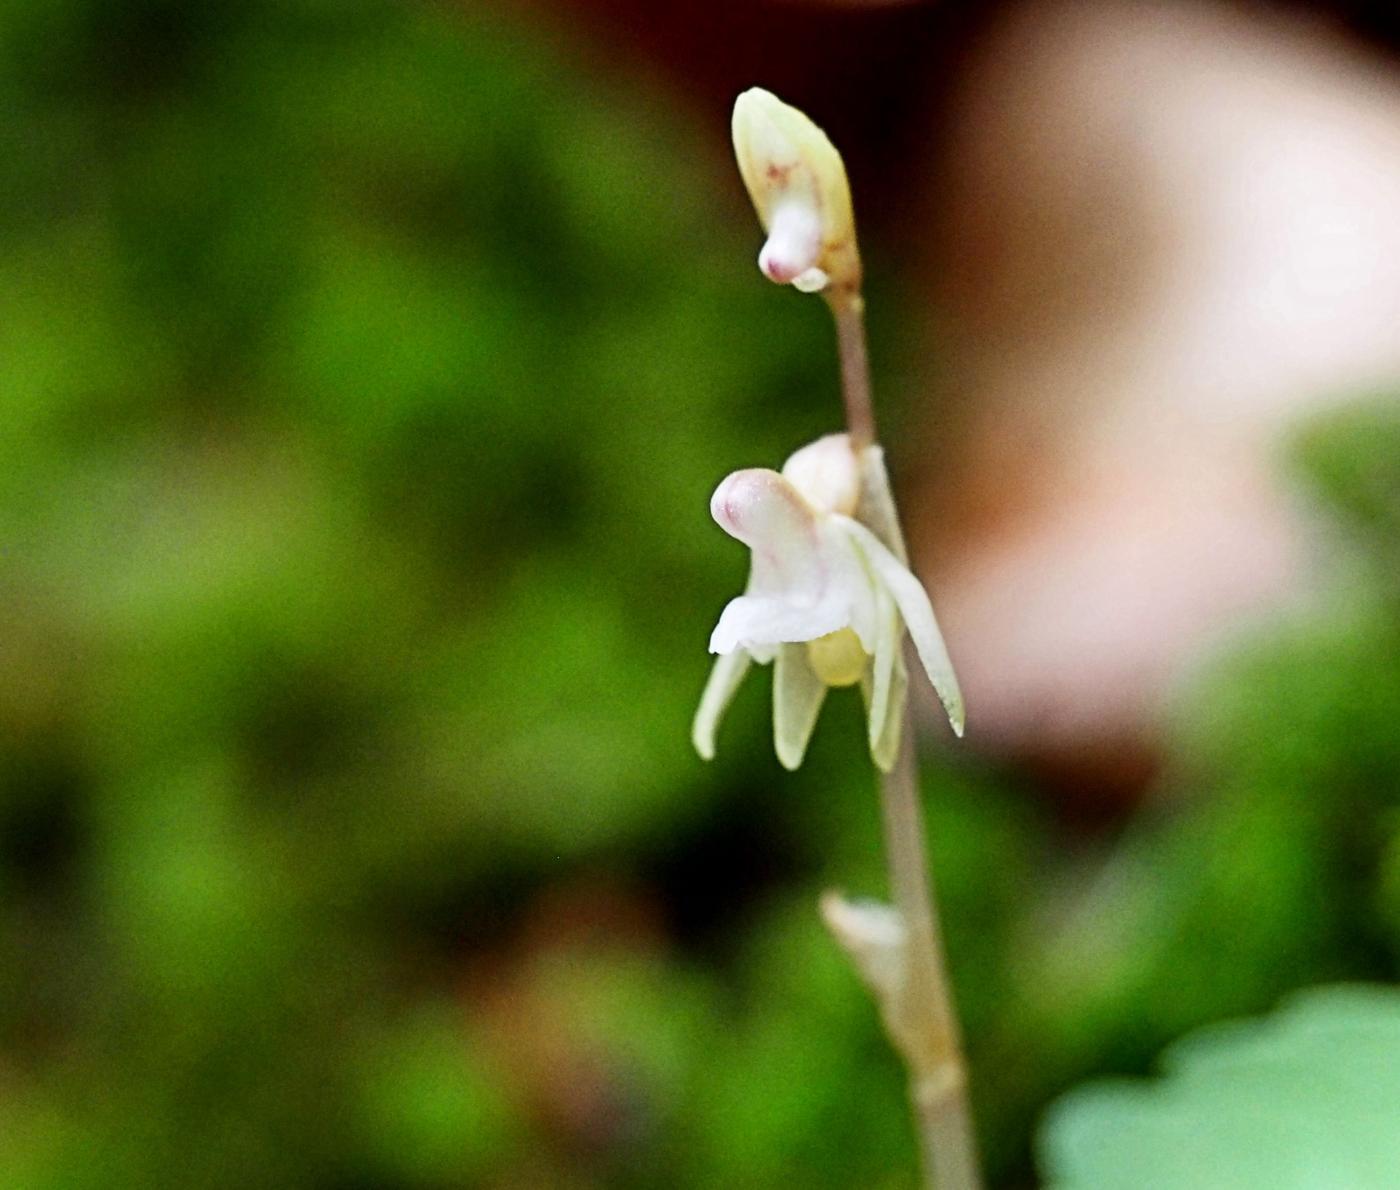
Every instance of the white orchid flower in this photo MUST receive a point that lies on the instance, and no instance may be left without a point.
(827, 600)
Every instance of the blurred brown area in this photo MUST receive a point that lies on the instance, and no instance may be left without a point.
(1139, 240)
(1167, 233)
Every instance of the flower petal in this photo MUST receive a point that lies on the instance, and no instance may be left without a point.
(765, 512)
(797, 700)
(886, 687)
(827, 473)
(728, 671)
(884, 750)
(782, 154)
(917, 611)
(756, 621)
(882, 671)
(876, 503)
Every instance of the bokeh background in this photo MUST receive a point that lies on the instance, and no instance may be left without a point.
(365, 371)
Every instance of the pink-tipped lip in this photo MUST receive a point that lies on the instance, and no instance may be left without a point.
(794, 243)
(784, 272)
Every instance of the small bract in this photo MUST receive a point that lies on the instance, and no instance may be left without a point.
(827, 602)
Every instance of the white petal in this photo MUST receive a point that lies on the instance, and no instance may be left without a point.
(827, 473)
(885, 750)
(753, 621)
(764, 511)
(887, 727)
(852, 579)
(794, 241)
(882, 671)
(914, 606)
(797, 700)
(728, 671)
(876, 504)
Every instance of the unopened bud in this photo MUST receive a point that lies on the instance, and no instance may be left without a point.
(798, 185)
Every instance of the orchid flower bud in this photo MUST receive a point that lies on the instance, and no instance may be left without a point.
(797, 181)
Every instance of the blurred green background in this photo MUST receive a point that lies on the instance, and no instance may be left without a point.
(366, 370)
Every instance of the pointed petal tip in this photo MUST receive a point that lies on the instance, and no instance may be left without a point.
(957, 715)
(798, 695)
(725, 676)
(702, 732)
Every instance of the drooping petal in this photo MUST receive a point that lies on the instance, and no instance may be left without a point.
(886, 687)
(852, 579)
(797, 700)
(882, 669)
(728, 671)
(914, 606)
(756, 621)
(885, 750)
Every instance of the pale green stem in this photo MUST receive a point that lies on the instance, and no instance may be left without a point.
(922, 1024)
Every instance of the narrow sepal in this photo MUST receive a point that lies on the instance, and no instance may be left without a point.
(725, 676)
(914, 606)
(797, 701)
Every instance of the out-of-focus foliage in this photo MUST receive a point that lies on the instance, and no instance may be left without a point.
(1306, 1098)
(365, 372)
(1268, 861)
(363, 379)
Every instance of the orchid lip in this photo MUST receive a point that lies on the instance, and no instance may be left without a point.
(794, 242)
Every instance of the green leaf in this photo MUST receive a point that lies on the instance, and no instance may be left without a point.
(1306, 1098)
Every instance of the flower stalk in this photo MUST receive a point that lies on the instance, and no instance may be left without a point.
(916, 1005)
(797, 181)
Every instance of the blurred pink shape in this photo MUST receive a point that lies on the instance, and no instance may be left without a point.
(1166, 233)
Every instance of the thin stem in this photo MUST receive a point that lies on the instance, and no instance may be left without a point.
(849, 312)
(921, 1021)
